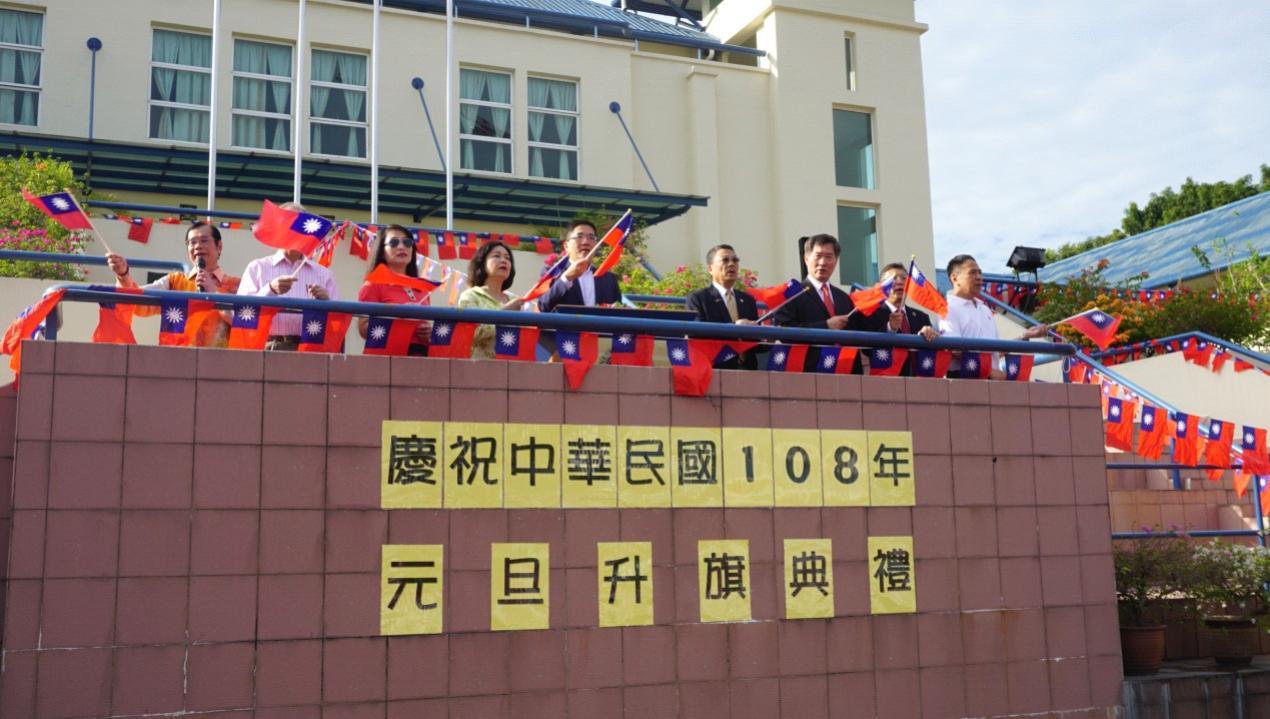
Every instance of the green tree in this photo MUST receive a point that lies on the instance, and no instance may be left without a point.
(23, 227)
(603, 220)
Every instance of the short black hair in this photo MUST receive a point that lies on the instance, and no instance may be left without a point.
(892, 266)
(957, 261)
(476, 274)
(822, 239)
(578, 222)
(203, 223)
(412, 268)
(710, 253)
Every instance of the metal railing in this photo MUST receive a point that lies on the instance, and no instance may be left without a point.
(1230, 347)
(93, 260)
(1259, 532)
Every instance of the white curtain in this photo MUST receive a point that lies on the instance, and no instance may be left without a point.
(562, 130)
(18, 67)
(183, 86)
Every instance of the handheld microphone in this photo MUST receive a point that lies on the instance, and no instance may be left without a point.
(202, 265)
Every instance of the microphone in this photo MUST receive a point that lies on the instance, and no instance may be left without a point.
(202, 265)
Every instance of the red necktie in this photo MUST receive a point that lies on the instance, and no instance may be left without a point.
(904, 321)
(828, 300)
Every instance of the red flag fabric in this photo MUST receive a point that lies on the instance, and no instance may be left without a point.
(249, 327)
(1119, 419)
(788, 358)
(139, 229)
(25, 325)
(389, 335)
(1242, 480)
(179, 321)
(1242, 365)
(1076, 371)
(976, 365)
(836, 360)
(383, 275)
(1217, 446)
(1152, 429)
(631, 350)
(326, 248)
(451, 339)
(1095, 324)
(359, 245)
(691, 364)
(924, 293)
(1185, 440)
(290, 229)
(515, 343)
(543, 246)
(615, 238)
(931, 363)
(777, 295)
(869, 299)
(887, 361)
(60, 206)
(578, 352)
(446, 249)
(1255, 457)
(114, 324)
(322, 331)
(421, 242)
(1018, 368)
(1219, 361)
(544, 282)
(467, 248)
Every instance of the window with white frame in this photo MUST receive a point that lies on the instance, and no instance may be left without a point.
(180, 86)
(21, 51)
(553, 128)
(485, 120)
(262, 95)
(337, 104)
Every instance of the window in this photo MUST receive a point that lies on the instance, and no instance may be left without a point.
(553, 129)
(337, 104)
(850, 57)
(853, 148)
(21, 50)
(858, 235)
(485, 114)
(180, 86)
(262, 96)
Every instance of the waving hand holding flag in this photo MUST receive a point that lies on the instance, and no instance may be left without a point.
(1095, 324)
(924, 293)
(60, 206)
(615, 238)
(544, 282)
(290, 229)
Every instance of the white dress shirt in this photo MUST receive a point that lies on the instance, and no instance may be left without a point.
(969, 318)
(586, 282)
(260, 272)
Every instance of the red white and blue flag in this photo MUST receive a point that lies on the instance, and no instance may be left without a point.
(114, 319)
(322, 331)
(1095, 324)
(777, 295)
(1152, 428)
(836, 360)
(691, 364)
(731, 349)
(179, 321)
(631, 350)
(451, 339)
(1119, 419)
(1018, 368)
(869, 299)
(578, 352)
(924, 293)
(290, 229)
(445, 246)
(467, 246)
(1256, 458)
(931, 363)
(389, 335)
(26, 325)
(887, 361)
(1185, 439)
(249, 327)
(139, 229)
(60, 206)
(976, 365)
(786, 358)
(1217, 445)
(544, 282)
(515, 343)
(615, 238)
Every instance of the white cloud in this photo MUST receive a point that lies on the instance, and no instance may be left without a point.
(1046, 120)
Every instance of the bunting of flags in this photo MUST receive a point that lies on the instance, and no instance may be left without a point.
(1195, 350)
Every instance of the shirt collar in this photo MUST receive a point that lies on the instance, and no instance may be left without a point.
(723, 291)
(816, 284)
(955, 300)
(891, 307)
(218, 273)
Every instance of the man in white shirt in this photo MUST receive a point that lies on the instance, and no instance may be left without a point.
(968, 316)
(578, 285)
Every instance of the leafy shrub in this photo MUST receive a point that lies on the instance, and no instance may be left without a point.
(23, 227)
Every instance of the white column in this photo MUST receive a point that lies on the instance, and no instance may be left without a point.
(213, 119)
(449, 114)
(299, 99)
(374, 113)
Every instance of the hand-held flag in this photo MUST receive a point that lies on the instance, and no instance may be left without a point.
(924, 293)
(290, 229)
(777, 295)
(869, 299)
(383, 275)
(615, 238)
(1095, 324)
(544, 282)
(578, 352)
(60, 206)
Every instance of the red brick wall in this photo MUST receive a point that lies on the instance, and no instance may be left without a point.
(201, 530)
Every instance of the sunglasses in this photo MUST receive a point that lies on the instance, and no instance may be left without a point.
(400, 242)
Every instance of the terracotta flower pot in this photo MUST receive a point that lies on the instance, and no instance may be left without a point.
(1233, 641)
(1142, 649)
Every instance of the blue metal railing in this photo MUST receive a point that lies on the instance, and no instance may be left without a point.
(1230, 347)
(1259, 532)
(58, 257)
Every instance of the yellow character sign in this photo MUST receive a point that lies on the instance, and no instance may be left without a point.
(625, 571)
(894, 579)
(473, 465)
(520, 587)
(808, 579)
(410, 465)
(411, 589)
(723, 579)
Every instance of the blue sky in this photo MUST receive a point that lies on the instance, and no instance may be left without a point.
(1045, 120)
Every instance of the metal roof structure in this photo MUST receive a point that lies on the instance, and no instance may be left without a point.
(1165, 252)
(343, 185)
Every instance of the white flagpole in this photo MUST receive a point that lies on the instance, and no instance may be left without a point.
(449, 114)
(211, 110)
(374, 114)
(299, 98)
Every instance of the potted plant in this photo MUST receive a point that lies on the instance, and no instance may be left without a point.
(1231, 585)
(1150, 574)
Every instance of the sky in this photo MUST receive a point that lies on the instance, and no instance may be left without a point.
(1046, 119)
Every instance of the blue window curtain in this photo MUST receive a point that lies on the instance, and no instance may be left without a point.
(262, 95)
(553, 128)
(184, 86)
(19, 107)
(348, 105)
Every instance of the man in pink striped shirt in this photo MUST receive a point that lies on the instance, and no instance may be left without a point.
(287, 273)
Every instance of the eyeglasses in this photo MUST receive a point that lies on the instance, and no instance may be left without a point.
(400, 242)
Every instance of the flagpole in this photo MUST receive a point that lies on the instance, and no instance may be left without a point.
(768, 315)
(374, 113)
(449, 114)
(211, 110)
(100, 237)
(301, 97)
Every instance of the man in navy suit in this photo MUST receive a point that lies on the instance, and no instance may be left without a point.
(578, 285)
(894, 317)
(822, 306)
(723, 301)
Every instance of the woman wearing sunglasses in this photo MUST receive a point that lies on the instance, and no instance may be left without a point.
(395, 247)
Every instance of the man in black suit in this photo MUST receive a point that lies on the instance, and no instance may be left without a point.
(823, 306)
(578, 286)
(723, 302)
(894, 317)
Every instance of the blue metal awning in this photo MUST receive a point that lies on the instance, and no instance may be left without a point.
(343, 185)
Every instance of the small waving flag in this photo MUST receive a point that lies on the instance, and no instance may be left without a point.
(290, 229)
(777, 295)
(389, 335)
(544, 282)
(179, 321)
(886, 361)
(1185, 439)
(1198, 352)
(869, 299)
(1152, 428)
(578, 352)
(1018, 368)
(976, 365)
(383, 275)
(139, 229)
(787, 358)
(1256, 458)
(249, 327)
(1119, 419)
(60, 206)
(836, 360)
(451, 339)
(322, 331)
(1074, 370)
(515, 343)
(1095, 324)
(25, 326)
(691, 364)
(359, 242)
(931, 363)
(631, 350)
(1217, 445)
(615, 238)
(923, 293)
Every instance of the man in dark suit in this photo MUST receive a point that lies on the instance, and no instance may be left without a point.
(578, 286)
(894, 317)
(723, 301)
(822, 306)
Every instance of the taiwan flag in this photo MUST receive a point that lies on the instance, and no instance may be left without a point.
(1119, 419)
(923, 293)
(1243, 365)
(691, 365)
(543, 246)
(359, 244)
(179, 321)
(578, 352)
(467, 246)
(1074, 370)
(114, 324)
(26, 325)
(631, 350)
(1256, 459)
(290, 229)
(887, 361)
(615, 238)
(1151, 431)
(445, 246)
(139, 229)
(1018, 368)
(249, 328)
(836, 360)
(777, 295)
(544, 282)
(869, 299)
(1220, 357)
(61, 206)
(1217, 446)
(451, 339)
(976, 365)
(389, 335)
(731, 349)
(322, 331)
(787, 358)
(1095, 324)
(383, 275)
(515, 343)
(931, 363)
(1185, 439)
